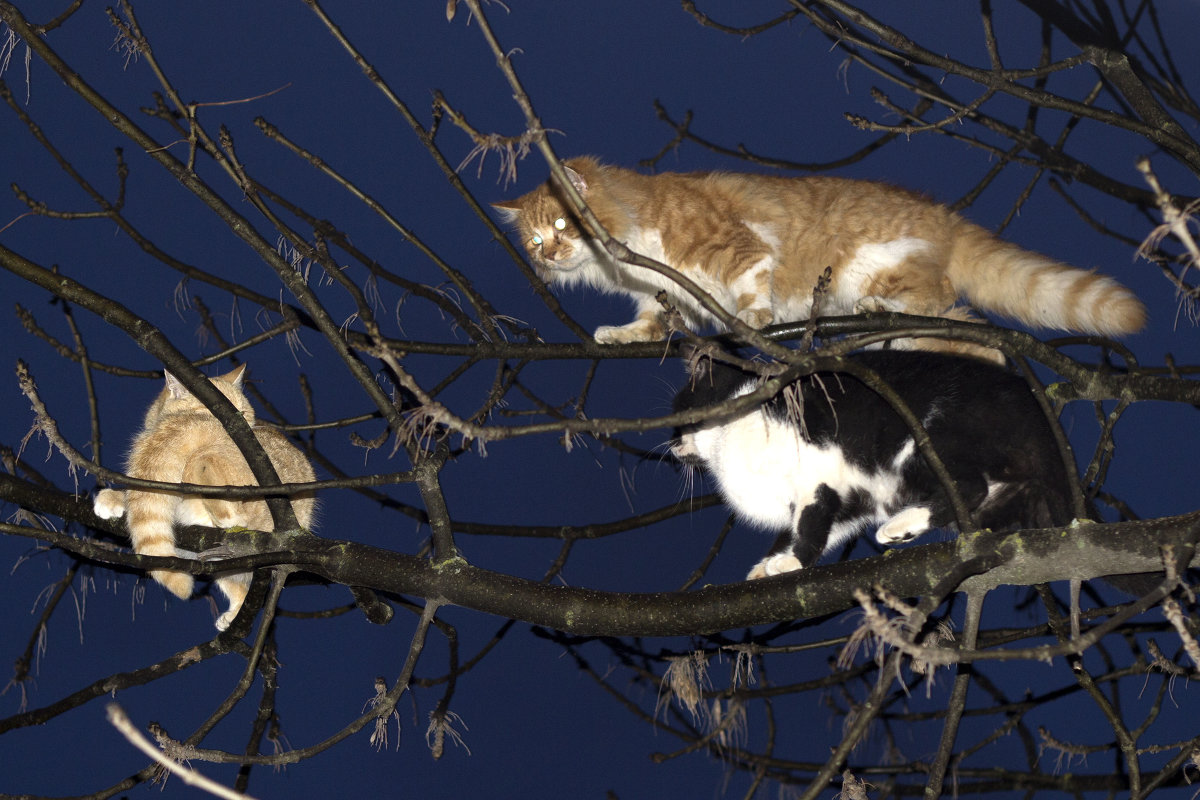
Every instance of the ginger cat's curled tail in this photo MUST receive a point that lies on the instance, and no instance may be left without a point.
(757, 244)
(182, 442)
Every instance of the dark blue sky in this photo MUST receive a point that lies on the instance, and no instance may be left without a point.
(537, 725)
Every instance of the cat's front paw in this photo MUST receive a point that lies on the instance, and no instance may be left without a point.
(904, 527)
(109, 504)
(639, 330)
(877, 303)
(756, 317)
(774, 565)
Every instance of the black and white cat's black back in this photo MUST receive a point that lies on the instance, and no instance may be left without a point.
(854, 464)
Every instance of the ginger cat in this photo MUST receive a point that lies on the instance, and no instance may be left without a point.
(757, 244)
(181, 441)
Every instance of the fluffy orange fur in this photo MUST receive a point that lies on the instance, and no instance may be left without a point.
(757, 244)
(182, 442)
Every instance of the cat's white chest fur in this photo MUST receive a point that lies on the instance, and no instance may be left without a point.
(758, 464)
(768, 473)
(591, 265)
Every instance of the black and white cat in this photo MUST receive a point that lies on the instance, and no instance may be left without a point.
(854, 464)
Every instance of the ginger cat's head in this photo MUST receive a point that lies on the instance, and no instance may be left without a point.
(553, 237)
(176, 399)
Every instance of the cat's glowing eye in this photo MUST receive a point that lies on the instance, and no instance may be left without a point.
(537, 240)
(560, 224)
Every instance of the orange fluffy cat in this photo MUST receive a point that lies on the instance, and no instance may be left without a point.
(182, 442)
(757, 244)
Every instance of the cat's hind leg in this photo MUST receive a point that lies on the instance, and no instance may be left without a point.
(214, 469)
(915, 283)
(234, 586)
(904, 275)
(1030, 503)
(801, 547)
(751, 291)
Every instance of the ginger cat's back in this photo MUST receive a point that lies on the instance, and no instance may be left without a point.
(182, 442)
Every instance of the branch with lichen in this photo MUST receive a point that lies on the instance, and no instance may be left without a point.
(896, 632)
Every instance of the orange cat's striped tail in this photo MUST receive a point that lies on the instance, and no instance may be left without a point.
(1038, 291)
(150, 517)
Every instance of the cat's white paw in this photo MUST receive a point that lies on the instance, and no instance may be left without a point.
(905, 526)
(235, 586)
(774, 565)
(639, 330)
(756, 317)
(109, 504)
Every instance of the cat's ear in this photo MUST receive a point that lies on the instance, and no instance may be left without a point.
(176, 389)
(509, 210)
(235, 375)
(577, 181)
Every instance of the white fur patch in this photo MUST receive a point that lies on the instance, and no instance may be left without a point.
(774, 565)
(591, 265)
(637, 331)
(109, 504)
(933, 413)
(904, 454)
(755, 281)
(766, 233)
(647, 242)
(685, 448)
(867, 262)
(768, 473)
(756, 462)
(904, 526)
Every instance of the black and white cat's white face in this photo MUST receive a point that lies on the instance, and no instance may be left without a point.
(854, 465)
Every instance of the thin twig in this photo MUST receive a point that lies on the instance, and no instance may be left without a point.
(120, 721)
